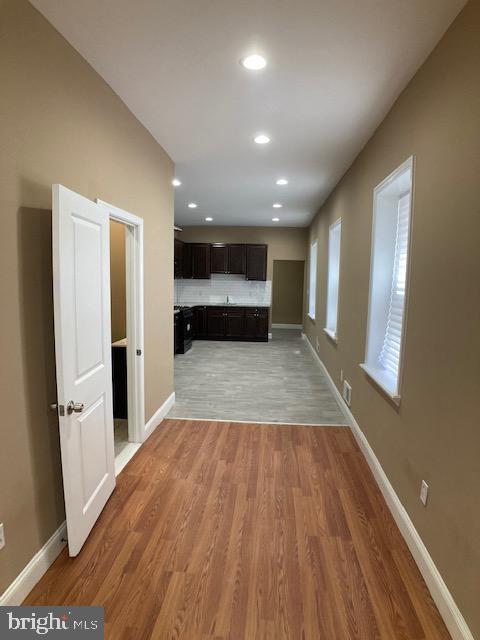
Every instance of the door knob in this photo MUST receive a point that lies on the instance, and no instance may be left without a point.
(74, 407)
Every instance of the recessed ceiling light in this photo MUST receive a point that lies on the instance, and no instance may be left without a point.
(277, 205)
(253, 62)
(192, 205)
(282, 181)
(275, 219)
(208, 219)
(262, 139)
(176, 182)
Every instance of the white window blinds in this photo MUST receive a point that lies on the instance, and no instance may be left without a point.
(312, 286)
(389, 357)
(333, 277)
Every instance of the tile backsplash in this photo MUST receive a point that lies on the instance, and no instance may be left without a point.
(216, 290)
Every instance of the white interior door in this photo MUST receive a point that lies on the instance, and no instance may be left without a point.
(81, 273)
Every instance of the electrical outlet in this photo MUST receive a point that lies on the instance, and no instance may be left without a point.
(424, 493)
(2, 536)
(347, 392)
(341, 375)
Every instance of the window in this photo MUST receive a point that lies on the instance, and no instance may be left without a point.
(388, 279)
(312, 283)
(334, 236)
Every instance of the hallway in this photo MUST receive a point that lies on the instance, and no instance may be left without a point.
(247, 531)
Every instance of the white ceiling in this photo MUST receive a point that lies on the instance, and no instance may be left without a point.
(334, 69)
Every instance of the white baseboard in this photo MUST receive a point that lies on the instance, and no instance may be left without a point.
(125, 455)
(16, 593)
(442, 597)
(159, 415)
(279, 325)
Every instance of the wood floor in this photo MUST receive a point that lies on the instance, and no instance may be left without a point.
(221, 530)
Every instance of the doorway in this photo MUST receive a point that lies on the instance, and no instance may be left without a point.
(126, 302)
(287, 294)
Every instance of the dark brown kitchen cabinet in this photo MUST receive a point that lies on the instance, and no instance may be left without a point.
(256, 324)
(200, 323)
(187, 260)
(215, 323)
(200, 261)
(219, 258)
(256, 262)
(228, 258)
(234, 323)
(237, 258)
(177, 258)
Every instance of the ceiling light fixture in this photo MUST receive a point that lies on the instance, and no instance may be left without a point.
(275, 219)
(192, 205)
(261, 139)
(277, 205)
(282, 181)
(176, 182)
(208, 219)
(254, 62)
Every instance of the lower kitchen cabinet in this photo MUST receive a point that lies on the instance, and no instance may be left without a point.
(256, 324)
(231, 323)
(235, 323)
(215, 323)
(200, 323)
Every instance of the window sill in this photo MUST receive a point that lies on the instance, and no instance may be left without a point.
(378, 376)
(312, 318)
(331, 334)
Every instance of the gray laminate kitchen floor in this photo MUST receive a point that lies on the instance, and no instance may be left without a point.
(278, 381)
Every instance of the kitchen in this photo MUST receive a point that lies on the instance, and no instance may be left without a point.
(230, 298)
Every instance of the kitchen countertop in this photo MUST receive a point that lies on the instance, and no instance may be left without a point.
(224, 304)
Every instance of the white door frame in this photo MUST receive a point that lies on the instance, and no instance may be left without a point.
(135, 337)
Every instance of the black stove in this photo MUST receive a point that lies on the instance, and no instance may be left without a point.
(184, 328)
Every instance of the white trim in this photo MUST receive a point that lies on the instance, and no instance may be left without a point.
(159, 415)
(16, 593)
(280, 325)
(442, 597)
(125, 455)
(275, 424)
(378, 380)
(331, 334)
(409, 163)
(135, 317)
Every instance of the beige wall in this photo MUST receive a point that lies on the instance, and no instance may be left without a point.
(435, 433)
(60, 123)
(284, 243)
(118, 285)
(287, 291)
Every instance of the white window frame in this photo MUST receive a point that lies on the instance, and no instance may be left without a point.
(313, 270)
(372, 371)
(331, 327)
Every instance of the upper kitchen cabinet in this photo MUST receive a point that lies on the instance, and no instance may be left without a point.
(228, 258)
(187, 261)
(219, 258)
(256, 262)
(178, 258)
(237, 258)
(200, 261)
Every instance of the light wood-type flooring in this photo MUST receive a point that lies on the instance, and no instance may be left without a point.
(222, 530)
(276, 381)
